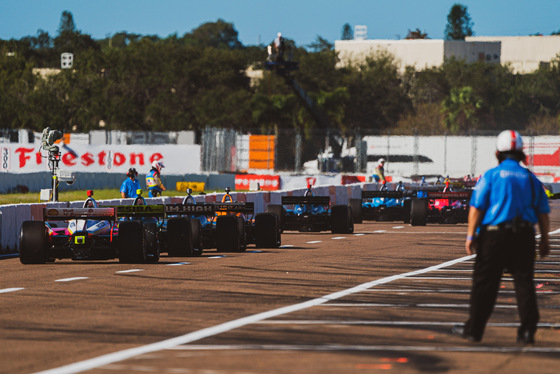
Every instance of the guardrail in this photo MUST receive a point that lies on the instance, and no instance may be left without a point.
(12, 216)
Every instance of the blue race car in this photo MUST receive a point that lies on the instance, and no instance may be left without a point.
(311, 213)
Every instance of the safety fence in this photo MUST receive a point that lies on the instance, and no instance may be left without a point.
(312, 152)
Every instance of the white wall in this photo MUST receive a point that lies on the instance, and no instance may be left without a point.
(420, 53)
(524, 53)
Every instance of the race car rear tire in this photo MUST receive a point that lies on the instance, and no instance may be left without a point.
(418, 213)
(266, 230)
(32, 243)
(151, 242)
(227, 234)
(196, 230)
(356, 205)
(278, 210)
(242, 247)
(179, 237)
(341, 220)
(132, 249)
(406, 210)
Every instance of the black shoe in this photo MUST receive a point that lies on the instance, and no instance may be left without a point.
(460, 332)
(526, 337)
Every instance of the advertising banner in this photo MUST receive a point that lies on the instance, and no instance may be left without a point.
(26, 158)
(249, 182)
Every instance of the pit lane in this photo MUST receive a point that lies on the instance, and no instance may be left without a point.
(382, 299)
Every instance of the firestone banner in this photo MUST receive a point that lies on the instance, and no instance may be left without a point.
(26, 158)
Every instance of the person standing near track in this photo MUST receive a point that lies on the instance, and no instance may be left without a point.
(130, 186)
(153, 180)
(505, 205)
(379, 173)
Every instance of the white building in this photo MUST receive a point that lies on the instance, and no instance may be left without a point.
(524, 53)
(419, 53)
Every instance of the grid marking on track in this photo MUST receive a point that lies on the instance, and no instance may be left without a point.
(264, 318)
(110, 358)
(394, 348)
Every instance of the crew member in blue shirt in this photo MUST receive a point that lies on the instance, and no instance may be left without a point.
(506, 204)
(130, 186)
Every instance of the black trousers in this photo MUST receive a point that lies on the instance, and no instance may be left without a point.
(499, 250)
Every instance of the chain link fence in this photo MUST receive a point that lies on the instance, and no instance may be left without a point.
(352, 152)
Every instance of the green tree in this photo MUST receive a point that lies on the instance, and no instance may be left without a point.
(66, 23)
(459, 24)
(219, 34)
(320, 45)
(416, 34)
(460, 109)
(347, 33)
(17, 83)
(377, 96)
(69, 39)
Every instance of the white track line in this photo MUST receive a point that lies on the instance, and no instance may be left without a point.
(380, 305)
(435, 290)
(314, 242)
(71, 279)
(128, 271)
(228, 326)
(393, 323)
(6, 290)
(392, 348)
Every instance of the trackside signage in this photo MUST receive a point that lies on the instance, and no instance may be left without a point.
(178, 159)
(249, 182)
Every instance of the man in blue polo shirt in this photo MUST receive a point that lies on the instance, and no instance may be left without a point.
(130, 186)
(506, 204)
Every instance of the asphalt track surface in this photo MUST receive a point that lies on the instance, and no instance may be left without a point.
(380, 300)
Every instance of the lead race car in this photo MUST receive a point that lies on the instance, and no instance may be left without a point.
(90, 233)
(441, 206)
(310, 213)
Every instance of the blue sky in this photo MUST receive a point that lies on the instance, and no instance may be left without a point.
(259, 20)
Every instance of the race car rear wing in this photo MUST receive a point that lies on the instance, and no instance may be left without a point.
(438, 187)
(141, 210)
(306, 200)
(461, 195)
(203, 209)
(54, 214)
(387, 194)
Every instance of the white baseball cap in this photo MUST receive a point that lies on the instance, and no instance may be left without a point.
(509, 140)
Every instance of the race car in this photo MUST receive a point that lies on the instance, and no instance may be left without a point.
(311, 213)
(449, 207)
(89, 233)
(383, 205)
(226, 226)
